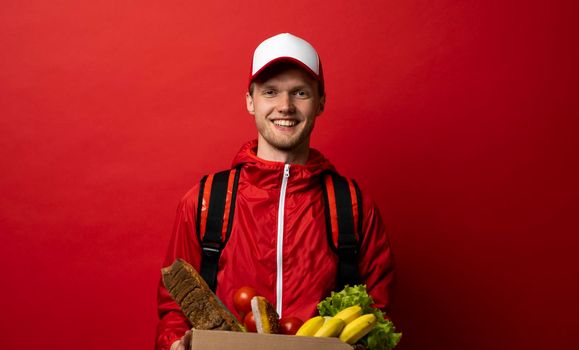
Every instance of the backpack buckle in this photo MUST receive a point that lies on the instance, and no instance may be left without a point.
(211, 248)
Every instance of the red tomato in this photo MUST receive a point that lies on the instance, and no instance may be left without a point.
(249, 322)
(242, 299)
(290, 325)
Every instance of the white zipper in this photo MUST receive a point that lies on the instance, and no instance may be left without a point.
(280, 217)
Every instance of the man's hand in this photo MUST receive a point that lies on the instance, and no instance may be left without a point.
(184, 343)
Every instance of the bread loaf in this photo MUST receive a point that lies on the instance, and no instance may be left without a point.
(203, 309)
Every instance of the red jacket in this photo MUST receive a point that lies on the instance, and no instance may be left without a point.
(250, 258)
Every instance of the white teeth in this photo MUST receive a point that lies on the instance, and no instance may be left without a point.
(285, 122)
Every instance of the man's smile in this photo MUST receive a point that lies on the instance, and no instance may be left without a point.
(285, 122)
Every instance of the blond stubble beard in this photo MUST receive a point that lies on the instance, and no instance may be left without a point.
(287, 144)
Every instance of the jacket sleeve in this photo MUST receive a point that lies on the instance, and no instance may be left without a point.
(376, 263)
(184, 244)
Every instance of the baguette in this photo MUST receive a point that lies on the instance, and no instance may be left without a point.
(203, 309)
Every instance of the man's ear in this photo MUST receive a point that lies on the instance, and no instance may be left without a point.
(322, 104)
(249, 103)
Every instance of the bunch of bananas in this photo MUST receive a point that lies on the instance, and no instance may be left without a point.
(349, 325)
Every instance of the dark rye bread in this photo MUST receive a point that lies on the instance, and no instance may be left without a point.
(203, 309)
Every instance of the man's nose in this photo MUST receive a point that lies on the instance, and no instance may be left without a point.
(286, 104)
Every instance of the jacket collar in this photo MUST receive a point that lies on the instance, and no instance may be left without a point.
(268, 174)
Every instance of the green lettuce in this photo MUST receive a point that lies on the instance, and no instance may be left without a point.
(383, 336)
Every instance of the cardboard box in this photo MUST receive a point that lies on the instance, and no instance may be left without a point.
(219, 340)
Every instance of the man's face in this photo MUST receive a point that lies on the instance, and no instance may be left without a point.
(285, 104)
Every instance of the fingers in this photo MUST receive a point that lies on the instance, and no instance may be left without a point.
(186, 340)
(177, 345)
(182, 344)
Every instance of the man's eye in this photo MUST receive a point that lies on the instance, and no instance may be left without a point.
(301, 93)
(269, 92)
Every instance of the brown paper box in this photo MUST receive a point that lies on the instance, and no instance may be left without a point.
(219, 340)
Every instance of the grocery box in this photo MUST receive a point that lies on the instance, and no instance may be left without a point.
(219, 340)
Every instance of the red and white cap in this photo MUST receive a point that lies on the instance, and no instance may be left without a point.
(286, 47)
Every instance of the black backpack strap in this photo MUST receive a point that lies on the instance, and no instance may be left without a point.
(343, 207)
(215, 209)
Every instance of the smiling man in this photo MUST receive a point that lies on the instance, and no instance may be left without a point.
(282, 220)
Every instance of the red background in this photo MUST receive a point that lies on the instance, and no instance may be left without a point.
(459, 117)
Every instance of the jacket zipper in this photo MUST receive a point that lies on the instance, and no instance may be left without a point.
(280, 221)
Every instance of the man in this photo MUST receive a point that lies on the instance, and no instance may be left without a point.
(278, 242)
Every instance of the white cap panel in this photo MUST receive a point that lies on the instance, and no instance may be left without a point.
(285, 45)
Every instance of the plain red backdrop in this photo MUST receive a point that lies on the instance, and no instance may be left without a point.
(460, 117)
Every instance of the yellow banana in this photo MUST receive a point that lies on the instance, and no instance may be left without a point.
(350, 314)
(358, 328)
(331, 328)
(311, 326)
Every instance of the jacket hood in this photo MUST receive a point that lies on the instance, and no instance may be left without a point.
(264, 173)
